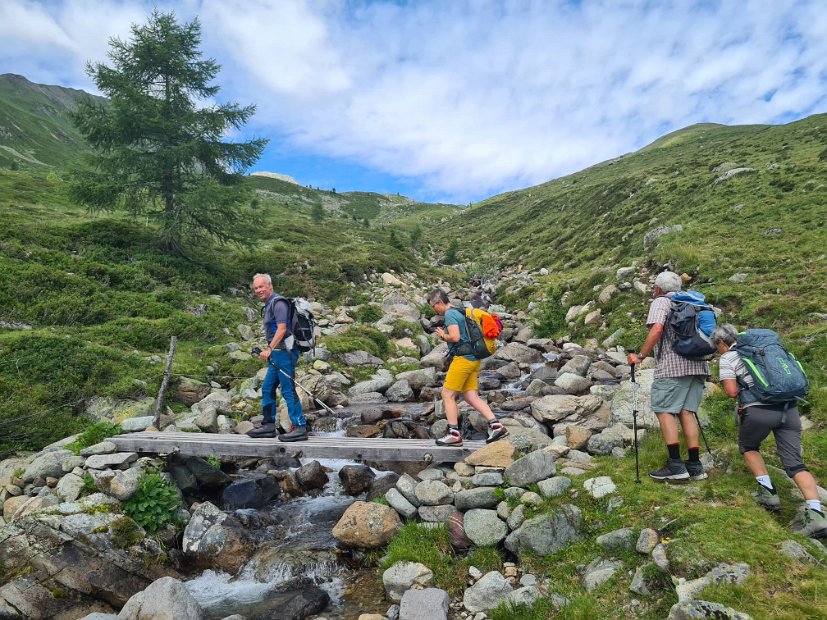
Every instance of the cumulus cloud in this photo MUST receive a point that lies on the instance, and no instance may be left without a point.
(470, 97)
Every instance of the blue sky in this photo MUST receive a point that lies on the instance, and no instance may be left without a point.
(457, 101)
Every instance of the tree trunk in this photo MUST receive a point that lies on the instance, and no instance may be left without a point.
(159, 402)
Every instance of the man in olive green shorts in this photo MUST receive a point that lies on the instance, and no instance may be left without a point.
(462, 375)
(678, 386)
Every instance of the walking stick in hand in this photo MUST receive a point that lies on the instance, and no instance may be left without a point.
(634, 423)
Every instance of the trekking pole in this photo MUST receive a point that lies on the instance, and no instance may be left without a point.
(634, 423)
(306, 391)
(700, 428)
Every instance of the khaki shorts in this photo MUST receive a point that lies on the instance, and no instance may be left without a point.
(674, 394)
(463, 375)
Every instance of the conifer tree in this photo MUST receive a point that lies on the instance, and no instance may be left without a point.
(159, 149)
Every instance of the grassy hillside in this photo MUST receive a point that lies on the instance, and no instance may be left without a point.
(34, 128)
(386, 210)
(102, 299)
(769, 225)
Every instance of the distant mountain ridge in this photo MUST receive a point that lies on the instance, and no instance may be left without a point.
(35, 129)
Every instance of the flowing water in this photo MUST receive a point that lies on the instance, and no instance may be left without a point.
(295, 548)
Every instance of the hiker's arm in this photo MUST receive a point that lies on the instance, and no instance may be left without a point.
(281, 328)
(452, 335)
(730, 387)
(652, 338)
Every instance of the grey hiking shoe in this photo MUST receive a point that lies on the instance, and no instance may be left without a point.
(673, 470)
(768, 499)
(268, 429)
(696, 470)
(299, 433)
(809, 523)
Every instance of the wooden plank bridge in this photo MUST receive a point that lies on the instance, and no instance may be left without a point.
(348, 448)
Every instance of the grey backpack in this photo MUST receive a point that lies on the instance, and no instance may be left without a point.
(777, 376)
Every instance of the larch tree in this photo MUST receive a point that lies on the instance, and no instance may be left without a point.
(158, 140)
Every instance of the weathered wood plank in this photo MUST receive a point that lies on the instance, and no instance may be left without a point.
(350, 448)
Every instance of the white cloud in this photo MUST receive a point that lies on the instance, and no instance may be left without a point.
(470, 97)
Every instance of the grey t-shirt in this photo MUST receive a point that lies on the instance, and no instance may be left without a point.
(276, 312)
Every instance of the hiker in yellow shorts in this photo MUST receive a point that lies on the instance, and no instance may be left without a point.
(462, 373)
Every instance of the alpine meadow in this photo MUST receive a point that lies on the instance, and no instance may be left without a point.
(123, 226)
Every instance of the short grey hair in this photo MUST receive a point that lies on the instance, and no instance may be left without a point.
(726, 333)
(668, 282)
(266, 277)
(437, 295)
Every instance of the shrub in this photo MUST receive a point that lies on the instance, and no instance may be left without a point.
(94, 434)
(155, 504)
(551, 316)
(367, 313)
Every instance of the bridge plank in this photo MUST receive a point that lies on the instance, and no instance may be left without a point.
(350, 448)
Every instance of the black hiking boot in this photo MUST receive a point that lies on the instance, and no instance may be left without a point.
(266, 430)
(674, 470)
(299, 433)
(696, 470)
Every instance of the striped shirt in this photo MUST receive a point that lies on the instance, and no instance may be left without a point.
(667, 362)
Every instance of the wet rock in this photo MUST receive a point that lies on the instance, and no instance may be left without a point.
(254, 490)
(165, 599)
(356, 479)
(367, 525)
(214, 539)
(312, 476)
(305, 603)
(382, 485)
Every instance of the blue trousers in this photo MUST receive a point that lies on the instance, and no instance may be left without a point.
(284, 361)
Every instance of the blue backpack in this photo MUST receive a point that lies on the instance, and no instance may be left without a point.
(692, 320)
(777, 376)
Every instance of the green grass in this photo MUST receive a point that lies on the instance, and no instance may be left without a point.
(704, 523)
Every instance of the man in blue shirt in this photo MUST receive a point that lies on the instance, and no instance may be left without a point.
(281, 365)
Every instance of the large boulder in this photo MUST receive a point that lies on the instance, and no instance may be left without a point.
(46, 465)
(533, 467)
(487, 593)
(254, 490)
(420, 378)
(367, 525)
(189, 391)
(520, 353)
(356, 479)
(484, 527)
(427, 604)
(624, 400)
(214, 539)
(165, 599)
(397, 307)
(547, 533)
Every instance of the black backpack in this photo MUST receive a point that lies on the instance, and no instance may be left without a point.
(692, 320)
(476, 344)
